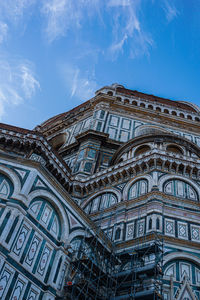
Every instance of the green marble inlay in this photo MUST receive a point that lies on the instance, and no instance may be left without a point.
(50, 266)
(4, 222)
(27, 246)
(27, 291)
(39, 256)
(57, 270)
(10, 290)
(51, 220)
(12, 230)
(41, 208)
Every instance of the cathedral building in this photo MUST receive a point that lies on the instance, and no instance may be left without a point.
(102, 202)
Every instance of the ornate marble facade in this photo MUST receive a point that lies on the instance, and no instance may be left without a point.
(122, 168)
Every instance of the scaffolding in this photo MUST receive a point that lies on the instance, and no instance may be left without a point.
(142, 278)
(99, 271)
(92, 266)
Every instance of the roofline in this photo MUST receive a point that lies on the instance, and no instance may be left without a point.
(120, 89)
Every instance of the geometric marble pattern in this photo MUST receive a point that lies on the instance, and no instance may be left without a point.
(182, 230)
(195, 233)
(34, 248)
(18, 290)
(44, 260)
(129, 231)
(40, 184)
(169, 227)
(140, 228)
(32, 295)
(4, 279)
(21, 173)
(4, 188)
(46, 214)
(55, 225)
(35, 207)
(20, 240)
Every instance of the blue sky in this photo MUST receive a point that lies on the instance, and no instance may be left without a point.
(54, 54)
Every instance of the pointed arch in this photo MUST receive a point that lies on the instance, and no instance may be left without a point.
(157, 223)
(118, 233)
(150, 224)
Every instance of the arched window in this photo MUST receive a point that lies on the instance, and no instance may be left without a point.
(134, 103)
(118, 234)
(102, 201)
(180, 189)
(43, 211)
(139, 188)
(158, 109)
(157, 223)
(174, 149)
(174, 113)
(141, 150)
(126, 101)
(108, 200)
(150, 224)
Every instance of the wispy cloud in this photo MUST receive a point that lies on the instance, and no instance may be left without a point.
(80, 84)
(29, 83)
(11, 13)
(113, 3)
(64, 14)
(128, 29)
(13, 10)
(171, 11)
(3, 31)
(17, 83)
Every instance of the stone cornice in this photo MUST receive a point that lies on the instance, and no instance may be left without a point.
(158, 201)
(31, 145)
(152, 237)
(153, 160)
